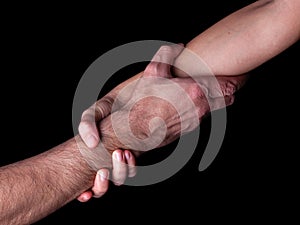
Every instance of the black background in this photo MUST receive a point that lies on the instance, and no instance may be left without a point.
(47, 48)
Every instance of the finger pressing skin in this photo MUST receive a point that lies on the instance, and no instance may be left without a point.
(160, 65)
(130, 159)
(85, 196)
(119, 172)
(87, 127)
(89, 133)
(167, 53)
(101, 183)
(229, 84)
(219, 103)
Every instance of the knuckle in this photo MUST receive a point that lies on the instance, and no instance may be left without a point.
(230, 100)
(165, 48)
(228, 88)
(117, 152)
(85, 113)
(194, 91)
(119, 182)
(151, 68)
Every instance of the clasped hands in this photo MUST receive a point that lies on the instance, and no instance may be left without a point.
(150, 110)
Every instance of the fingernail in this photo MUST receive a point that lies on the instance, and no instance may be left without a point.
(118, 156)
(103, 175)
(127, 155)
(85, 198)
(91, 141)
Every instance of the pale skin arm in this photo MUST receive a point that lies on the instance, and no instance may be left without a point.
(246, 38)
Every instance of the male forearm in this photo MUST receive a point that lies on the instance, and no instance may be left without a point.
(245, 39)
(35, 187)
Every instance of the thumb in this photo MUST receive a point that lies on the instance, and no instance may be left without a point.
(162, 61)
(89, 132)
(88, 125)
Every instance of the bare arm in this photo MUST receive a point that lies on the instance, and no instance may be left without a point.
(245, 39)
(35, 187)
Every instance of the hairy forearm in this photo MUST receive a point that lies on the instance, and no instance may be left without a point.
(245, 39)
(35, 187)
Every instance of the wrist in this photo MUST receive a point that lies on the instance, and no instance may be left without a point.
(96, 158)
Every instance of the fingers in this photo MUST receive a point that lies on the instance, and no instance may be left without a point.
(100, 187)
(130, 159)
(167, 53)
(123, 166)
(84, 197)
(87, 127)
(230, 84)
(221, 102)
(101, 183)
(222, 85)
(89, 133)
(119, 172)
(160, 65)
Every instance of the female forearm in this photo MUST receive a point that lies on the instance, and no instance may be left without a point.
(245, 39)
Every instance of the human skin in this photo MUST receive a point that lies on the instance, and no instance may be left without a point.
(160, 71)
(59, 175)
(123, 163)
(35, 187)
(103, 107)
(244, 39)
(233, 46)
(195, 104)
